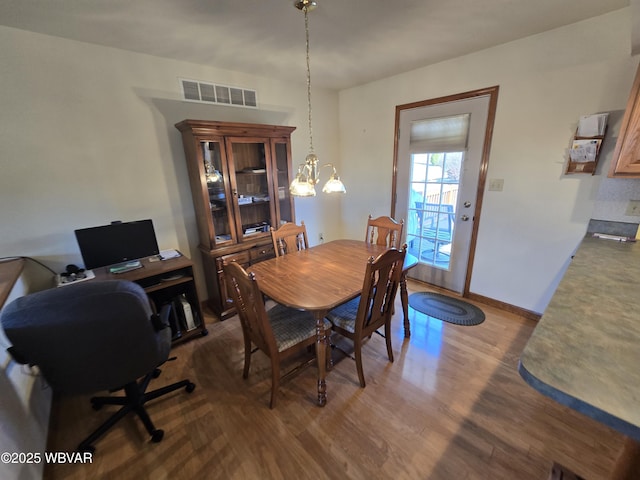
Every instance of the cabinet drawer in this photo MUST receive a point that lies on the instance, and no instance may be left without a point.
(243, 258)
(257, 254)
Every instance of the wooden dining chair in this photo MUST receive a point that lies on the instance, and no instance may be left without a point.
(289, 238)
(279, 332)
(384, 231)
(359, 318)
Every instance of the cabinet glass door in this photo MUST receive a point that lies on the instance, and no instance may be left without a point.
(251, 190)
(282, 180)
(217, 180)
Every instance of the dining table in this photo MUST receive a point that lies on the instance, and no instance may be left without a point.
(320, 278)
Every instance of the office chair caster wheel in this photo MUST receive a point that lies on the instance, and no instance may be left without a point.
(190, 387)
(157, 435)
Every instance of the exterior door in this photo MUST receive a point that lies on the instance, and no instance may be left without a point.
(441, 159)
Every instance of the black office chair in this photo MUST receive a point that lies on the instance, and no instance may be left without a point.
(94, 336)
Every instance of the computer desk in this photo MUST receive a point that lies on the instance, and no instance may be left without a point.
(164, 280)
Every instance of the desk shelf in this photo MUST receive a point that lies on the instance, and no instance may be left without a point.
(164, 284)
(153, 278)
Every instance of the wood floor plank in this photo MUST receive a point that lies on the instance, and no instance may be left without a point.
(451, 406)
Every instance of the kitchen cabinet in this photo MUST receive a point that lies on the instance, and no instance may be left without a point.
(239, 175)
(626, 156)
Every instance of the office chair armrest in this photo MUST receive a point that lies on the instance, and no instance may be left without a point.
(160, 320)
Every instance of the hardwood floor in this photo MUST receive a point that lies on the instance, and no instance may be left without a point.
(452, 406)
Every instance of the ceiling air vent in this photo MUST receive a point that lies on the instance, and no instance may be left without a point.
(205, 92)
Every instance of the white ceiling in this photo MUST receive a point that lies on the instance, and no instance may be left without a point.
(352, 41)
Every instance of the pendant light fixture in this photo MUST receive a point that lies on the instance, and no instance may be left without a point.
(212, 174)
(304, 185)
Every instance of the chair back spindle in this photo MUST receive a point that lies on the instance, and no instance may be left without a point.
(289, 238)
(382, 278)
(384, 231)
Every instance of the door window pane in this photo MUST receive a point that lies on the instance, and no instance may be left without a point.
(433, 195)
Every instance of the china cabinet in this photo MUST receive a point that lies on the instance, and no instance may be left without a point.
(239, 175)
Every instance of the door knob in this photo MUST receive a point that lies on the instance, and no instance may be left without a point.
(464, 218)
(467, 204)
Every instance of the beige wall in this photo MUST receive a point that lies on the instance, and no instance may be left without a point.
(87, 137)
(528, 231)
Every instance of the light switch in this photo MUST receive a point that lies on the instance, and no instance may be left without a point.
(496, 184)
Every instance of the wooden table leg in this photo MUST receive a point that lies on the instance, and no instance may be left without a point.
(404, 299)
(321, 355)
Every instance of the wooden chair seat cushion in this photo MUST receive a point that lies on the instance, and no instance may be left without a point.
(291, 326)
(344, 316)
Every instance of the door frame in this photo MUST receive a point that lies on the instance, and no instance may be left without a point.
(492, 93)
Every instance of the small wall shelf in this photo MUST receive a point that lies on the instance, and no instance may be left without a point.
(585, 149)
(585, 166)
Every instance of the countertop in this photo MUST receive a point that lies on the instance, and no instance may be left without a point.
(585, 350)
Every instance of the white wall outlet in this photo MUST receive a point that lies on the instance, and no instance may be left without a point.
(496, 184)
(633, 208)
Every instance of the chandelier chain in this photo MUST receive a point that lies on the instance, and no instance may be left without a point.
(306, 28)
(303, 185)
